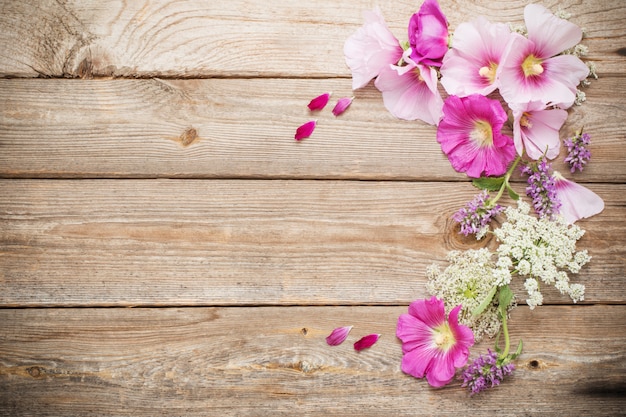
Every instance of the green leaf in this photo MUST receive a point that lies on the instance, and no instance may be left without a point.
(505, 298)
(512, 193)
(488, 183)
(518, 351)
(478, 310)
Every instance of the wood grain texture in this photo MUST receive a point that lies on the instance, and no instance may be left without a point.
(240, 128)
(260, 361)
(205, 38)
(185, 242)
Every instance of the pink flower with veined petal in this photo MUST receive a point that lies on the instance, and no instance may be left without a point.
(577, 201)
(433, 346)
(532, 71)
(428, 34)
(410, 91)
(472, 66)
(470, 136)
(536, 129)
(369, 50)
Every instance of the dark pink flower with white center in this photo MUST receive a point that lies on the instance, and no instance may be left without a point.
(306, 130)
(369, 50)
(472, 66)
(577, 202)
(319, 102)
(433, 345)
(366, 341)
(342, 104)
(470, 136)
(533, 70)
(410, 91)
(338, 336)
(536, 129)
(428, 34)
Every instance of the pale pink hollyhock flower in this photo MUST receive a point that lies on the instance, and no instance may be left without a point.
(470, 135)
(433, 346)
(532, 71)
(369, 50)
(577, 201)
(472, 66)
(366, 341)
(428, 34)
(410, 91)
(305, 130)
(319, 102)
(536, 129)
(338, 336)
(342, 104)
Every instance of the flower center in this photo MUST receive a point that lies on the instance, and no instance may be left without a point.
(482, 134)
(419, 74)
(489, 72)
(443, 337)
(532, 66)
(525, 120)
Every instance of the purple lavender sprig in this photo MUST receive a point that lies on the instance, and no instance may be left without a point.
(542, 188)
(485, 372)
(476, 215)
(577, 152)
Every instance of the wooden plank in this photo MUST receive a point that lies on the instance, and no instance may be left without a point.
(234, 128)
(257, 361)
(184, 242)
(78, 38)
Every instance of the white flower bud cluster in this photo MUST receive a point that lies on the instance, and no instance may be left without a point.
(543, 250)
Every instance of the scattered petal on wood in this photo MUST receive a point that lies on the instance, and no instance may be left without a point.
(342, 105)
(319, 102)
(338, 336)
(305, 130)
(366, 341)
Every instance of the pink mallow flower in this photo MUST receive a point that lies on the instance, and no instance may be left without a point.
(470, 136)
(433, 346)
(428, 34)
(577, 201)
(536, 129)
(369, 50)
(472, 66)
(410, 91)
(533, 70)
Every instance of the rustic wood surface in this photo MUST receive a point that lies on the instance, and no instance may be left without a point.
(167, 248)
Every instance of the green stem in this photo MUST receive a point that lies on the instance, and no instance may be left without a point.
(507, 341)
(505, 183)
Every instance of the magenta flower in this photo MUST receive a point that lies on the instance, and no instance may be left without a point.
(536, 129)
(319, 102)
(532, 71)
(577, 201)
(470, 136)
(428, 34)
(366, 341)
(305, 130)
(338, 336)
(410, 91)
(472, 66)
(369, 50)
(342, 104)
(433, 346)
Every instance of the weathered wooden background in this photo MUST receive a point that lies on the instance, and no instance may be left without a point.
(167, 248)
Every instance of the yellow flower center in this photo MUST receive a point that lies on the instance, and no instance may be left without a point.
(482, 134)
(443, 337)
(489, 72)
(532, 66)
(524, 121)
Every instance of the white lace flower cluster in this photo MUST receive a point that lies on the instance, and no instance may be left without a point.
(468, 280)
(541, 250)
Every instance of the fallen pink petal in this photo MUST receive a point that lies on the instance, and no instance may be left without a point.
(338, 336)
(577, 201)
(342, 105)
(319, 102)
(366, 341)
(305, 130)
